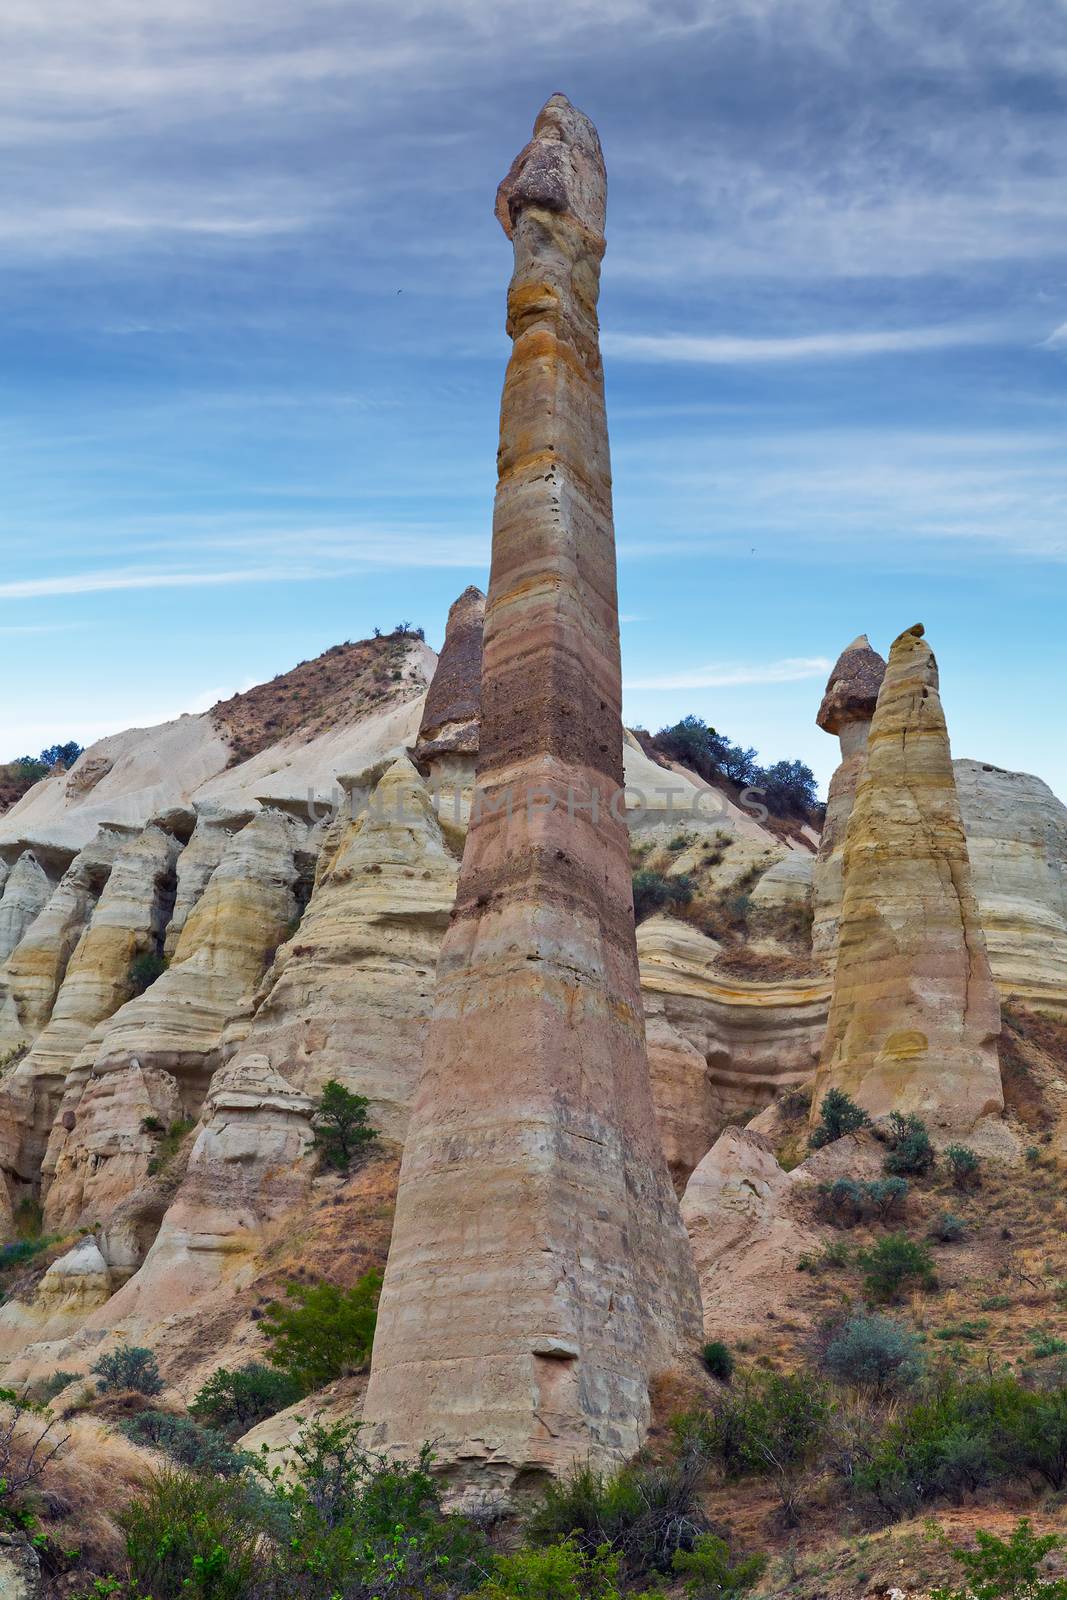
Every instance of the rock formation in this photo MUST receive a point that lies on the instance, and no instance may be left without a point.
(37, 966)
(450, 718)
(539, 1274)
(914, 1016)
(1017, 841)
(27, 890)
(129, 921)
(156, 1055)
(350, 996)
(846, 710)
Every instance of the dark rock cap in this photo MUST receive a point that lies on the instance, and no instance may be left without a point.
(561, 170)
(852, 687)
(450, 719)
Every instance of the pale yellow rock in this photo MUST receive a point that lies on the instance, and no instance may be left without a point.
(1017, 843)
(215, 826)
(718, 1045)
(37, 966)
(914, 1016)
(172, 1034)
(351, 994)
(27, 890)
(129, 921)
(72, 1288)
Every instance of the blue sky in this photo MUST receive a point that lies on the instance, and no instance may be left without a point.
(252, 344)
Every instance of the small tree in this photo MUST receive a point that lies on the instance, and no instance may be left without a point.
(711, 1573)
(234, 1401)
(130, 1366)
(838, 1115)
(342, 1132)
(910, 1148)
(963, 1164)
(1007, 1569)
(325, 1332)
(876, 1352)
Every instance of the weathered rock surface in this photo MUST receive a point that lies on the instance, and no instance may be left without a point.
(351, 994)
(533, 1119)
(846, 710)
(164, 1045)
(27, 891)
(128, 921)
(37, 966)
(451, 715)
(718, 1046)
(215, 826)
(914, 1016)
(1017, 843)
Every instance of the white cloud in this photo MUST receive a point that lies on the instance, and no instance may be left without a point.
(723, 350)
(731, 676)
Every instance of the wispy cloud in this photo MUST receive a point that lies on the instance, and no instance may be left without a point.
(732, 676)
(723, 350)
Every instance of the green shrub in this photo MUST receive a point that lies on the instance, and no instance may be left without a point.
(947, 1228)
(326, 1332)
(23, 1250)
(191, 1537)
(711, 1573)
(353, 1523)
(234, 1401)
(850, 1201)
(644, 1513)
(145, 969)
(1007, 1569)
(199, 1449)
(342, 1132)
(967, 1331)
(170, 1144)
(876, 1352)
(767, 1425)
(653, 890)
(559, 1572)
(910, 1150)
(128, 1367)
(838, 1115)
(1046, 1344)
(50, 1387)
(963, 1164)
(893, 1264)
(718, 1360)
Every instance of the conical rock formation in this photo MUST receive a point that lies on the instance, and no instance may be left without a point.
(539, 1274)
(914, 1017)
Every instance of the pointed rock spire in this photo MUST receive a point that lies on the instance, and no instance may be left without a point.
(539, 1274)
(914, 1016)
(453, 703)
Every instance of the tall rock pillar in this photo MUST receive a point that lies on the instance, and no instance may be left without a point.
(914, 1016)
(847, 708)
(539, 1273)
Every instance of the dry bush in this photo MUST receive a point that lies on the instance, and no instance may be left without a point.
(84, 1485)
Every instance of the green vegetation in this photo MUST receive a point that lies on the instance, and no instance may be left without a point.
(234, 1401)
(787, 787)
(963, 1164)
(894, 1264)
(948, 1228)
(838, 1115)
(718, 1360)
(910, 1150)
(875, 1351)
(342, 1132)
(850, 1202)
(184, 1441)
(128, 1367)
(653, 890)
(169, 1144)
(325, 1332)
(1006, 1569)
(561, 1572)
(145, 969)
(711, 1573)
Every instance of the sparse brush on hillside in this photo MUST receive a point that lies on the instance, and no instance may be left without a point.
(786, 788)
(324, 1331)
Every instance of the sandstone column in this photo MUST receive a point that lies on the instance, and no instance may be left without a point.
(847, 708)
(449, 724)
(539, 1274)
(914, 1017)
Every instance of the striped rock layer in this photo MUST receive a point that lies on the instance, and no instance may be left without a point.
(539, 1274)
(914, 1017)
